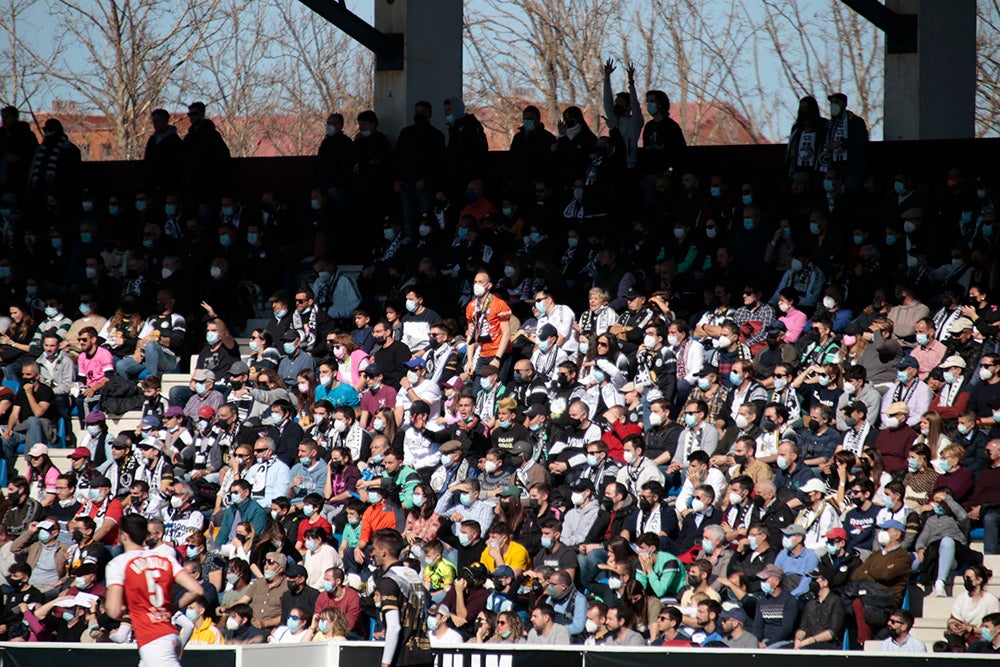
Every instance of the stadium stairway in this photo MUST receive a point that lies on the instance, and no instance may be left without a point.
(932, 613)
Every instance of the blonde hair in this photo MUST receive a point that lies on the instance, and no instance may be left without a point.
(953, 450)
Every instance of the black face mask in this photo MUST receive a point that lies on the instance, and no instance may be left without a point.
(813, 425)
(78, 535)
(519, 378)
(850, 421)
(336, 467)
(534, 504)
(692, 581)
(379, 340)
(969, 586)
(433, 343)
(645, 505)
(768, 424)
(574, 423)
(739, 459)
(858, 501)
(564, 382)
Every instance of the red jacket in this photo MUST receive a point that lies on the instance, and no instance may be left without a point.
(615, 438)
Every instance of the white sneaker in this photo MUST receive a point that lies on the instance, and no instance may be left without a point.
(939, 591)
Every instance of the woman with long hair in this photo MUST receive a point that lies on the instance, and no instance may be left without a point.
(509, 630)
(523, 524)
(330, 625)
(121, 332)
(422, 522)
(486, 627)
(264, 356)
(349, 358)
(932, 433)
(16, 341)
(305, 391)
(384, 423)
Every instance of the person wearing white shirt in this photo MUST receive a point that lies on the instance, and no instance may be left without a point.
(559, 316)
(638, 469)
(698, 435)
(900, 640)
(547, 356)
(269, 477)
(690, 357)
(414, 386)
(438, 631)
(909, 389)
(698, 473)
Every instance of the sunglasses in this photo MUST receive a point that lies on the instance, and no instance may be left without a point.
(501, 622)
(270, 561)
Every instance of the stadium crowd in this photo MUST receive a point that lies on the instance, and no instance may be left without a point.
(598, 400)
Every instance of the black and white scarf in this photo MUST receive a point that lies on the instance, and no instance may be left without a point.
(46, 162)
(836, 132)
(307, 329)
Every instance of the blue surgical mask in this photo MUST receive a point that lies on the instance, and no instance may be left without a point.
(389, 233)
(50, 312)
(465, 499)
(86, 237)
(235, 498)
(690, 420)
(890, 239)
(715, 191)
(225, 240)
(306, 461)
(252, 238)
(288, 347)
(281, 313)
(292, 624)
(546, 542)
(828, 184)
(786, 543)
(322, 624)
(922, 339)
(113, 209)
(735, 378)
(328, 587)
(228, 211)
(652, 108)
(938, 508)
(749, 224)
(141, 205)
(747, 200)
(57, 242)
(94, 494)
(782, 462)
(707, 546)
(418, 501)
(465, 540)
(899, 187)
(986, 634)
(592, 460)
(814, 228)
(913, 465)
(200, 388)
(211, 337)
(902, 376)
(529, 125)
(753, 542)
(540, 307)
(832, 548)
(486, 383)
(859, 239)
(170, 210)
(192, 615)
(766, 588)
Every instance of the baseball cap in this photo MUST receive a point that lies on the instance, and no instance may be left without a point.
(153, 443)
(776, 326)
(239, 368)
(152, 421)
(503, 571)
(769, 571)
(907, 362)
(80, 453)
(892, 523)
(295, 570)
(206, 412)
(582, 485)
(290, 336)
(371, 370)
(536, 409)
(708, 369)
(633, 293)
(793, 529)
(94, 417)
(38, 449)
(203, 375)
(954, 361)
(735, 614)
(837, 534)
(510, 491)
(813, 485)
(441, 609)
(547, 331)
(416, 362)
(898, 408)
(960, 325)
(174, 411)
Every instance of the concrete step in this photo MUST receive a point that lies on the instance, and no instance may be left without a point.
(928, 635)
(873, 645)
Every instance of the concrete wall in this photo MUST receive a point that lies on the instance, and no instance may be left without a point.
(433, 59)
(931, 94)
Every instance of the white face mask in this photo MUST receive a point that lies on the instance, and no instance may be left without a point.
(698, 506)
(829, 302)
(655, 419)
(479, 290)
(742, 422)
(649, 341)
(722, 342)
